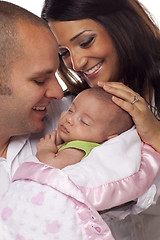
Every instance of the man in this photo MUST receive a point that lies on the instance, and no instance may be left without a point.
(28, 62)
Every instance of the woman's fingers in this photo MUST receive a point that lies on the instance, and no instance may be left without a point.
(133, 109)
(125, 97)
(120, 90)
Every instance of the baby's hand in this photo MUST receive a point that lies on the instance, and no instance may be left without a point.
(59, 141)
(48, 144)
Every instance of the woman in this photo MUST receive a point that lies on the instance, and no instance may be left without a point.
(123, 46)
(117, 44)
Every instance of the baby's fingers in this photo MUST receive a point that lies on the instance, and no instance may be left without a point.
(48, 136)
(53, 135)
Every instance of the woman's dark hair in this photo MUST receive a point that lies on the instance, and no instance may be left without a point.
(133, 31)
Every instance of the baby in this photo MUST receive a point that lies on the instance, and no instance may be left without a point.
(65, 202)
(91, 119)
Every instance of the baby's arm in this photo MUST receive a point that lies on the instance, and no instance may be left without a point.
(46, 148)
(46, 153)
(67, 157)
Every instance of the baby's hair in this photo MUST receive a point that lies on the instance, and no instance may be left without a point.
(100, 93)
(120, 120)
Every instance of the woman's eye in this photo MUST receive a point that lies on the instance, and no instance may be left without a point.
(63, 52)
(88, 42)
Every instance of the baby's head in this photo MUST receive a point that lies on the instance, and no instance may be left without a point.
(93, 117)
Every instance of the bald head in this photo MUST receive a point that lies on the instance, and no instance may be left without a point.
(12, 18)
(9, 13)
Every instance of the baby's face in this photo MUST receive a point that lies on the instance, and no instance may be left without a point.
(85, 120)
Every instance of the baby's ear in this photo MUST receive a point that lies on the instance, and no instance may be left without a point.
(112, 136)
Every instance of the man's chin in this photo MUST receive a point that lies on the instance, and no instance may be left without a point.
(38, 128)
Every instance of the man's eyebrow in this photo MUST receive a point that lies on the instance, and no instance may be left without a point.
(42, 73)
(76, 36)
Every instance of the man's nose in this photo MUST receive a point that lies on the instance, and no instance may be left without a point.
(54, 89)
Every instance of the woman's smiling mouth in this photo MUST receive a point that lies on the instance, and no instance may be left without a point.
(92, 72)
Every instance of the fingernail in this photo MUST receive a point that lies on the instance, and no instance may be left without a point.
(115, 99)
(106, 87)
(99, 83)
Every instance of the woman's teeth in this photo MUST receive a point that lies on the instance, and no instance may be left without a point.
(95, 68)
(39, 108)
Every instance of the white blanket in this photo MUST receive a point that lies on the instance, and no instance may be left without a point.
(47, 203)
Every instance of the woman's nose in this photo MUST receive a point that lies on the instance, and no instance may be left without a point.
(78, 62)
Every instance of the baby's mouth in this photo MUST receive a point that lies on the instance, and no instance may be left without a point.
(64, 129)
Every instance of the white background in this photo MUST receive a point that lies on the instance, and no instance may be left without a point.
(35, 6)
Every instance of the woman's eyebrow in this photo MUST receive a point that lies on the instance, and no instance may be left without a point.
(76, 36)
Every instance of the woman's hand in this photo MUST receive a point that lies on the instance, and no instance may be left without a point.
(147, 125)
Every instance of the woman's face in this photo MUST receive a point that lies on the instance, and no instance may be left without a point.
(86, 47)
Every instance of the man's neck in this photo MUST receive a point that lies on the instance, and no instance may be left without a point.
(4, 146)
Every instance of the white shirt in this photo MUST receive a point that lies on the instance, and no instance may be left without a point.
(22, 147)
